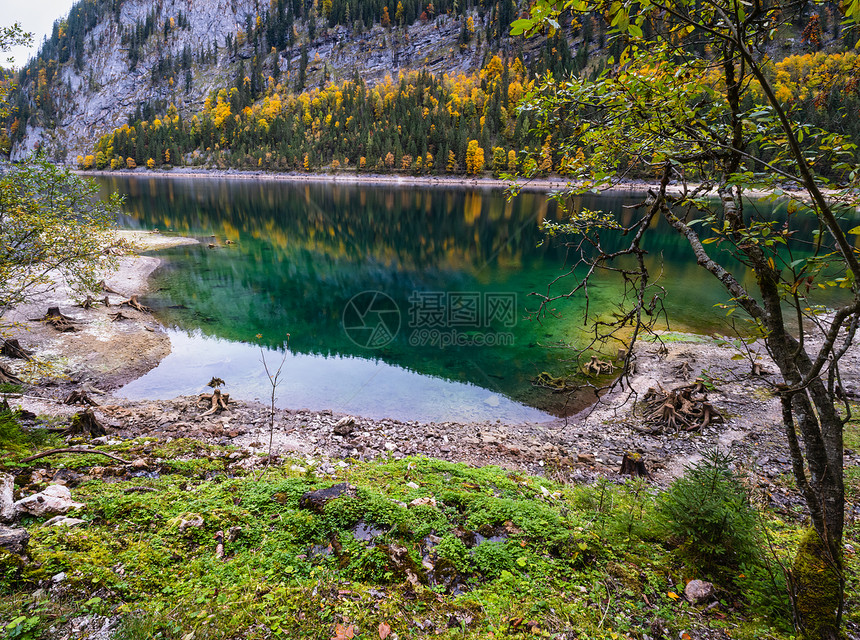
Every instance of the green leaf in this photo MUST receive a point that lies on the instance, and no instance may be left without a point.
(518, 27)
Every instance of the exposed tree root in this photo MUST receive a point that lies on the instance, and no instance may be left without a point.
(684, 408)
(216, 400)
(79, 397)
(12, 349)
(57, 320)
(7, 377)
(107, 289)
(118, 316)
(133, 303)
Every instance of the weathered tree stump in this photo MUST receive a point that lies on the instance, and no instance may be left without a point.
(12, 349)
(633, 464)
(758, 369)
(86, 423)
(57, 320)
(119, 316)
(217, 401)
(87, 303)
(684, 408)
(596, 367)
(316, 500)
(133, 303)
(549, 381)
(79, 397)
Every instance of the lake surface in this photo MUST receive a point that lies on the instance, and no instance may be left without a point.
(401, 302)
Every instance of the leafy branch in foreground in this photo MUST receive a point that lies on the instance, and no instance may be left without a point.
(684, 116)
(52, 224)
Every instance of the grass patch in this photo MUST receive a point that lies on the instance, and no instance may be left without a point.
(501, 553)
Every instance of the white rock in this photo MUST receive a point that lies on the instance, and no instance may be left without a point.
(412, 485)
(7, 487)
(54, 499)
(63, 521)
(422, 502)
(59, 577)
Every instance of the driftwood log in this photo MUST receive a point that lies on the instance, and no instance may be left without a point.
(683, 408)
(13, 349)
(54, 452)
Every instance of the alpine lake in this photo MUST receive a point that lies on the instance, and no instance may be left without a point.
(406, 302)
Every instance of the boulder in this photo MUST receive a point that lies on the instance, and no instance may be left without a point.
(14, 540)
(54, 499)
(699, 591)
(7, 508)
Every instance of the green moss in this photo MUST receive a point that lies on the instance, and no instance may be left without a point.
(816, 586)
(570, 561)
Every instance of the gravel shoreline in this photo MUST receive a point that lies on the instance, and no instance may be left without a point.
(104, 355)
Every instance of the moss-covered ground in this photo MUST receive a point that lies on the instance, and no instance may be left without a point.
(500, 555)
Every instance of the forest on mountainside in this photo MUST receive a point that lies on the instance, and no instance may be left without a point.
(270, 116)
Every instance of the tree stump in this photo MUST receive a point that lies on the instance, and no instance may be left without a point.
(79, 397)
(87, 303)
(133, 303)
(107, 289)
(119, 316)
(12, 349)
(216, 400)
(596, 367)
(57, 320)
(633, 464)
(86, 423)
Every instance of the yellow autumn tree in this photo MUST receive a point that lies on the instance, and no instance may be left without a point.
(452, 163)
(474, 158)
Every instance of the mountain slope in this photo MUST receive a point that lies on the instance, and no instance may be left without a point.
(113, 58)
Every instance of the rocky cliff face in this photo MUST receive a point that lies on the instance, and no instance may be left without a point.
(113, 81)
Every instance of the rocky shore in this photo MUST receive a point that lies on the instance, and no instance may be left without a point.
(103, 354)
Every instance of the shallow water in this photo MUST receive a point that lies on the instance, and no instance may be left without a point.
(401, 302)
